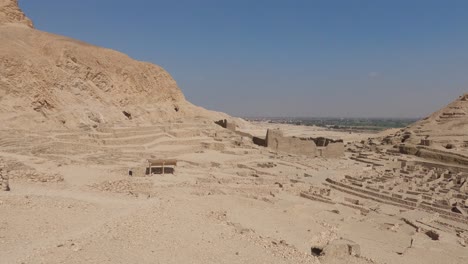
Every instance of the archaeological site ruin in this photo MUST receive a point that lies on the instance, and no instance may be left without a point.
(103, 160)
(275, 140)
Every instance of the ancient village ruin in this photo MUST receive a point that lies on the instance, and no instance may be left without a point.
(83, 129)
(275, 140)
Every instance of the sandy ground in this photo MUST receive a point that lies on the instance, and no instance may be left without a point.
(72, 201)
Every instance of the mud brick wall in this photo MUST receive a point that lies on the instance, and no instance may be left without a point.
(276, 141)
(334, 150)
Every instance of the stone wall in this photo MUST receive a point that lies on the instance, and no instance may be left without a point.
(259, 141)
(426, 142)
(4, 185)
(333, 150)
(276, 141)
(304, 146)
(394, 200)
(229, 125)
(322, 141)
(243, 134)
(438, 155)
(226, 124)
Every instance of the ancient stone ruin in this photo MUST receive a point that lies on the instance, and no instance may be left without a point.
(429, 189)
(276, 141)
(161, 166)
(228, 125)
(312, 147)
(341, 248)
(426, 142)
(4, 185)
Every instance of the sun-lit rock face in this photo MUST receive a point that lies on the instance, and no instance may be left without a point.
(52, 81)
(10, 13)
(445, 129)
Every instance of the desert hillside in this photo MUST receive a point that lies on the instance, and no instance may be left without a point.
(442, 136)
(48, 81)
(448, 125)
(10, 13)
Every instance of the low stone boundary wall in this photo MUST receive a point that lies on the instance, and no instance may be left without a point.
(315, 198)
(395, 201)
(259, 141)
(328, 201)
(369, 197)
(434, 154)
(366, 161)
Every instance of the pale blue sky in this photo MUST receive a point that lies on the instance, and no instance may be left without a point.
(365, 58)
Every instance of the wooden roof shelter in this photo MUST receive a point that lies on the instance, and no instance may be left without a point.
(161, 163)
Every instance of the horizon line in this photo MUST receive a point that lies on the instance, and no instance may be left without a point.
(331, 117)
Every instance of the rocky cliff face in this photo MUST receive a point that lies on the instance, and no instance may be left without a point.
(446, 129)
(48, 81)
(11, 13)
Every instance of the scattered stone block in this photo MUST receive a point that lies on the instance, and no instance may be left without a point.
(213, 146)
(433, 234)
(352, 201)
(227, 124)
(341, 248)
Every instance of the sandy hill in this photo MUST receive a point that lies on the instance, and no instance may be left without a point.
(51, 81)
(11, 13)
(442, 136)
(446, 126)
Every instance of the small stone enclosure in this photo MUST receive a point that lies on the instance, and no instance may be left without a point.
(311, 147)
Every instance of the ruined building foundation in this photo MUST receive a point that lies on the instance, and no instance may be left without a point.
(4, 185)
(275, 140)
(312, 147)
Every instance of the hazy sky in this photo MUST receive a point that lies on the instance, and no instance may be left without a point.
(367, 58)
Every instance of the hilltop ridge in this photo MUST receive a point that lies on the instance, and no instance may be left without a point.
(448, 125)
(10, 13)
(51, 81)
(441, 136)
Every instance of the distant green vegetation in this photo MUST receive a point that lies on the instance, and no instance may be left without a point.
(369, 124)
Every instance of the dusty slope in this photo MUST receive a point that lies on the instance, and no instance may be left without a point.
(448, 125)
(11, 13)
(441, 136)
(53, 81)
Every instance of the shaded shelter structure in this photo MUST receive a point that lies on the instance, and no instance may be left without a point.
(161, 166)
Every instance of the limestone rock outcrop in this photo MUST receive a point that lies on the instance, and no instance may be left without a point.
(442, 136)
(50, 81)
(11, 13)
(445, 128)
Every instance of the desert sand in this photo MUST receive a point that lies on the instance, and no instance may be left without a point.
(80, 122)
(228, 201)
